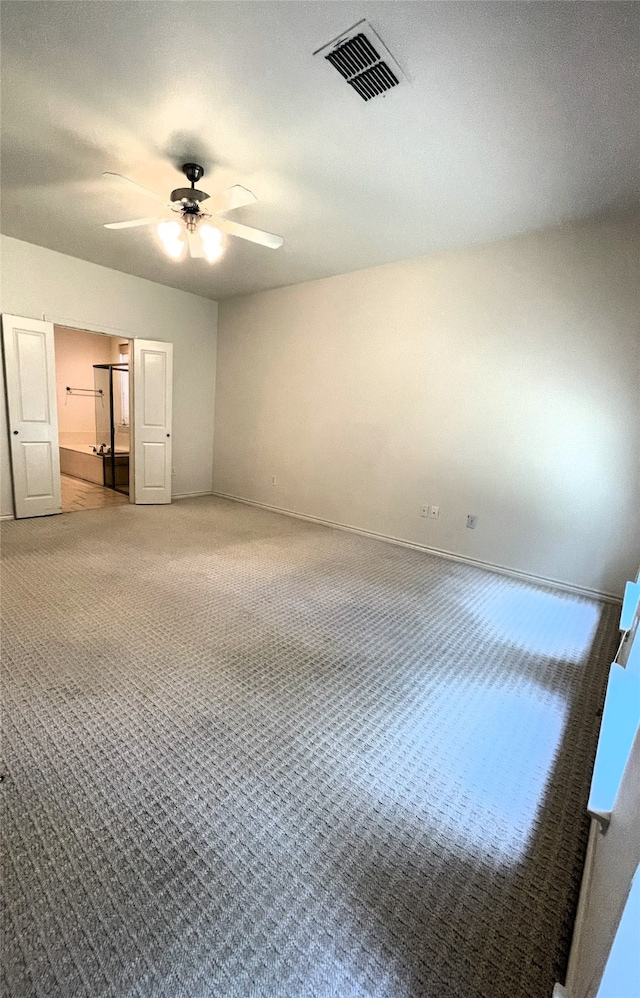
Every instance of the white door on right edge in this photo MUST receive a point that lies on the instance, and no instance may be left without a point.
(152, 376)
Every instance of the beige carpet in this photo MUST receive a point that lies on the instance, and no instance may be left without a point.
(252, 756)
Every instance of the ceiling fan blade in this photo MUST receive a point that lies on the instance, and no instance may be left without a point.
(139, 187)
(233, 197)
(194, 240)
(133, 223)
(247, 232)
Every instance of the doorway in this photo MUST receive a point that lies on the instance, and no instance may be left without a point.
(34, 398)
(94, 418)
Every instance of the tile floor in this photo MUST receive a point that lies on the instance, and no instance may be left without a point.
(78, 494)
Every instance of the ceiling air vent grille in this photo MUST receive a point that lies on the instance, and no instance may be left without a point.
(362, 67)
(356, 54)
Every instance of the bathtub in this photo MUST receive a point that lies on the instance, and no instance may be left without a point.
(80, 461)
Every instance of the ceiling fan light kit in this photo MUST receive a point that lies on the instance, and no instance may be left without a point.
(169, 233)
(203, 239)
(211, 242)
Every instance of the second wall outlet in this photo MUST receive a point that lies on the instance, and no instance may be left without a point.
(433, 512)
(472, 519)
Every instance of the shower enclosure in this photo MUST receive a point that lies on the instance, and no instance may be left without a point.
(112, 423)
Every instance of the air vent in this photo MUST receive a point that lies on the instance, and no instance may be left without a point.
(363, 60)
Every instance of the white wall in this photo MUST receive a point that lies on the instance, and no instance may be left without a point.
(76, 353)
(501, 380)
(38, 282)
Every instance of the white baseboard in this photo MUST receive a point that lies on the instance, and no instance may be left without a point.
(439, 552)
(191, 495)
(7, 516)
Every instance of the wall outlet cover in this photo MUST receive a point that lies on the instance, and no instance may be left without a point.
(472, 519)
(434, 512)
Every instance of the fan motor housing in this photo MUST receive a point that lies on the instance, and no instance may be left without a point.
(193, 172)
(188, 194)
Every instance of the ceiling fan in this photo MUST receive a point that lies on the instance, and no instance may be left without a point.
(204, 237)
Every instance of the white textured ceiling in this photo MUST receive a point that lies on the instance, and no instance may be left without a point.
(517, 116)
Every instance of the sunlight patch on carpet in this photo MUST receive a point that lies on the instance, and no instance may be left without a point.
(550, 624)
(481, 756)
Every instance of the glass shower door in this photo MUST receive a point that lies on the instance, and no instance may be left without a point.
(112, 423)
(120, 395)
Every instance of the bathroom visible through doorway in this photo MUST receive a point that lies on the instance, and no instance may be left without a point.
(94, 418)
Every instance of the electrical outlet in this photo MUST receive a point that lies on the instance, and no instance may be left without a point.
(173, 471)
(472, 519)
(424, 511)
(273, 479)
(434, 512)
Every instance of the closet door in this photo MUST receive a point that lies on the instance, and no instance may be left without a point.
(152, 375)
(33, 416)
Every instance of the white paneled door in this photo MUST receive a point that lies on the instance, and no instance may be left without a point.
(152, 374)
(33, 415)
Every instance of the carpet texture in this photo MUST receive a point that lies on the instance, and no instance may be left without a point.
(252, 756)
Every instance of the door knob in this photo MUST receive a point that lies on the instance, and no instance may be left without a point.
(15, 433)
(168, 434)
